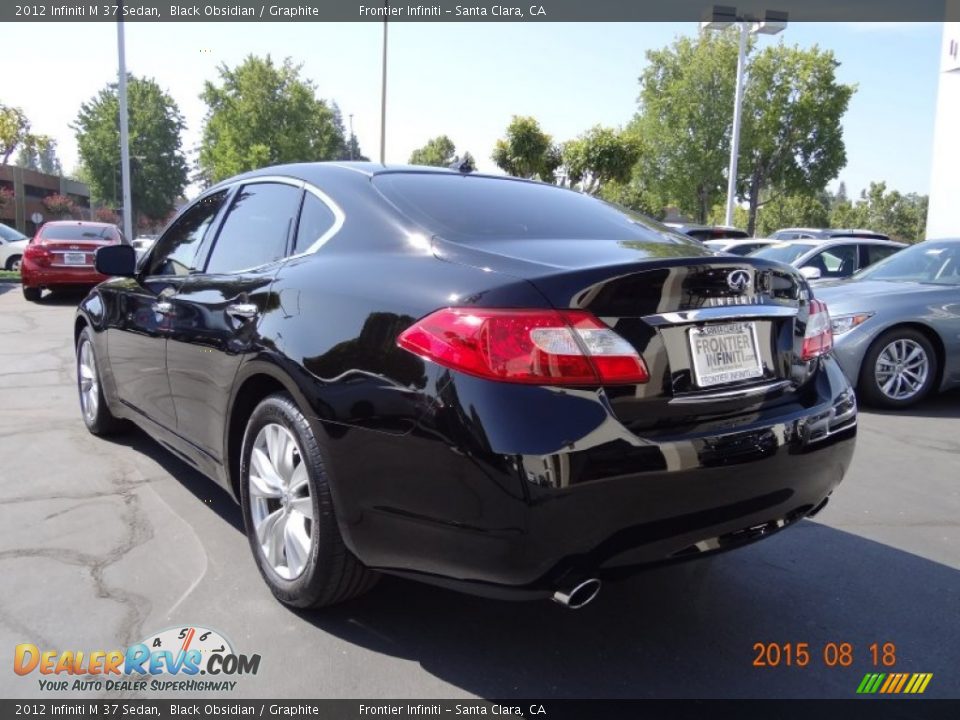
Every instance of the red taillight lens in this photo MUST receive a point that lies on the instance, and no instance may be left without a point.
(818, 336)
(543, 347)
(37, 253)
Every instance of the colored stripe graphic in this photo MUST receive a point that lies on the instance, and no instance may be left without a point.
(894, 683)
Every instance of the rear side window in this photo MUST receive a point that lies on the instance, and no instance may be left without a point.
(316, 219)
(256, 228)
(876, 253)
(470, 207)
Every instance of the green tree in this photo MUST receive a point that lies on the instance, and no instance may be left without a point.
(783, 211)
(262, 114)
(685, 116)
(527, 151)
(902, 217)
(14, 131)
(438, 152)
(792, 139)
(158, 168)
(599, 156)
(39, 152)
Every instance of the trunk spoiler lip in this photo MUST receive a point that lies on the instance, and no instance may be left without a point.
(721, 312)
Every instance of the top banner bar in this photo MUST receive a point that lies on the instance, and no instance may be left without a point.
(480, 11)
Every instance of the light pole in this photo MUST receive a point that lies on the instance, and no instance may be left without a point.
(383, 95)
(124, 129)
(352, 142)
(721, 17)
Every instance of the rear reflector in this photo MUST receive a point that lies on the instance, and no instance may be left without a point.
(541, 347)
(818, 336)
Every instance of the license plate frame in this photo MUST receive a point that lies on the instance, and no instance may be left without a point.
(74, 258)
(738, 370)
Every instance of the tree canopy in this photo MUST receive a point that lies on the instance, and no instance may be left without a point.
(158, 168)
(599, 156)
(792, 139)
(438, 151)
(261, 113)
(527, 151)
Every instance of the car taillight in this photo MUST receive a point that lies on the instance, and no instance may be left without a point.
(37, 253)
(542, 347)
(818, 336)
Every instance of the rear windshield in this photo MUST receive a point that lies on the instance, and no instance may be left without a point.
(9, 234)
(471, 207)
(78, 232)
(781, 252)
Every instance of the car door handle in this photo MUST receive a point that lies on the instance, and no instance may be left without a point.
(243, 311)
(163, 307)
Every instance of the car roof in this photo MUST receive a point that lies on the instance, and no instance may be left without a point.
(841, 240)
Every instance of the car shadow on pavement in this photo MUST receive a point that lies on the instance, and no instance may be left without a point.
(684, 630)
(944, 405)
(6, 287)
(205, 490)
(62, 298)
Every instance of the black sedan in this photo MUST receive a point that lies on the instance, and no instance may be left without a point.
(487, 383)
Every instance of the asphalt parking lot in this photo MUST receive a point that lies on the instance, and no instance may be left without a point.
(104, 543)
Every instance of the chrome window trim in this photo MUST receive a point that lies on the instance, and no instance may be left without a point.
(338, 216)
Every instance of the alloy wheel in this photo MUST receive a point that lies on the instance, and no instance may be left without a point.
(280, 504)
(901, 369)
(87, 381)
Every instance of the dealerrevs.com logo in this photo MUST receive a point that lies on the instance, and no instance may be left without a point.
(169, 661)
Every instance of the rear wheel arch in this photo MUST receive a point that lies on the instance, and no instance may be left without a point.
(256, 381)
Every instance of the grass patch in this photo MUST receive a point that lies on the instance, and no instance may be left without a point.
(9, 276)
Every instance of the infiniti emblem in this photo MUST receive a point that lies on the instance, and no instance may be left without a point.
(739, 281)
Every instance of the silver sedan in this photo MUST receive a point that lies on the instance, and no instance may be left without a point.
(896, 325)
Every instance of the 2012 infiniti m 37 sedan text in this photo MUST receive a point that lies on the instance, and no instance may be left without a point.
(487, 383)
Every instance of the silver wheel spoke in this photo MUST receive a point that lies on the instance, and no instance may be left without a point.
(264, 481)
(304, 506)
(902, 368)
(296, 546)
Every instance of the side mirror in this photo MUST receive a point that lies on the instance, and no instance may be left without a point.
(810, 273)
(116, 260)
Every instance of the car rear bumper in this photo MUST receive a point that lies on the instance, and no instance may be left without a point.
(523, 500)
(33, 275)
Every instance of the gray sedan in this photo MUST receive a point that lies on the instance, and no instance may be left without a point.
(896, 325)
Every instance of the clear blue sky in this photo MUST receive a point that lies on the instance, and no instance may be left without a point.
(467, 79)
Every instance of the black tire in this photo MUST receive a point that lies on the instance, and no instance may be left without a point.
(11, 261)
(100, 421)
(331, 574)
(872, 393)
(31, 294)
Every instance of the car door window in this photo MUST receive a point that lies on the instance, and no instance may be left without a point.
(176, 250)
(836, 262)
(256, 228)
(316, 219)
(876, 253)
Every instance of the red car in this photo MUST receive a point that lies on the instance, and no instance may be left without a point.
(60, 255)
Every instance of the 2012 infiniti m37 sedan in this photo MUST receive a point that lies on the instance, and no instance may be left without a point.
(487, 383)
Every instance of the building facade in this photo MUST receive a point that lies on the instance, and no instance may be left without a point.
(29, 189)
(943, 218)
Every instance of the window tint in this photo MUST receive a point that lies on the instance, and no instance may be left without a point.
(315, 219)
(255, 230)
(79, 232)
(175, 250)
(876, 253)
(471, 207)
(783, 252)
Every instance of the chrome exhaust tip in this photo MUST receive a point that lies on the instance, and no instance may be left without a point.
(579, 595)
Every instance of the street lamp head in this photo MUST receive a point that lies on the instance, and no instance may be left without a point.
(774, 21)
(718, 17)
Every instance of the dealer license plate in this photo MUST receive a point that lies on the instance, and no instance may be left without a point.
(74, 258)
(724, 353)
